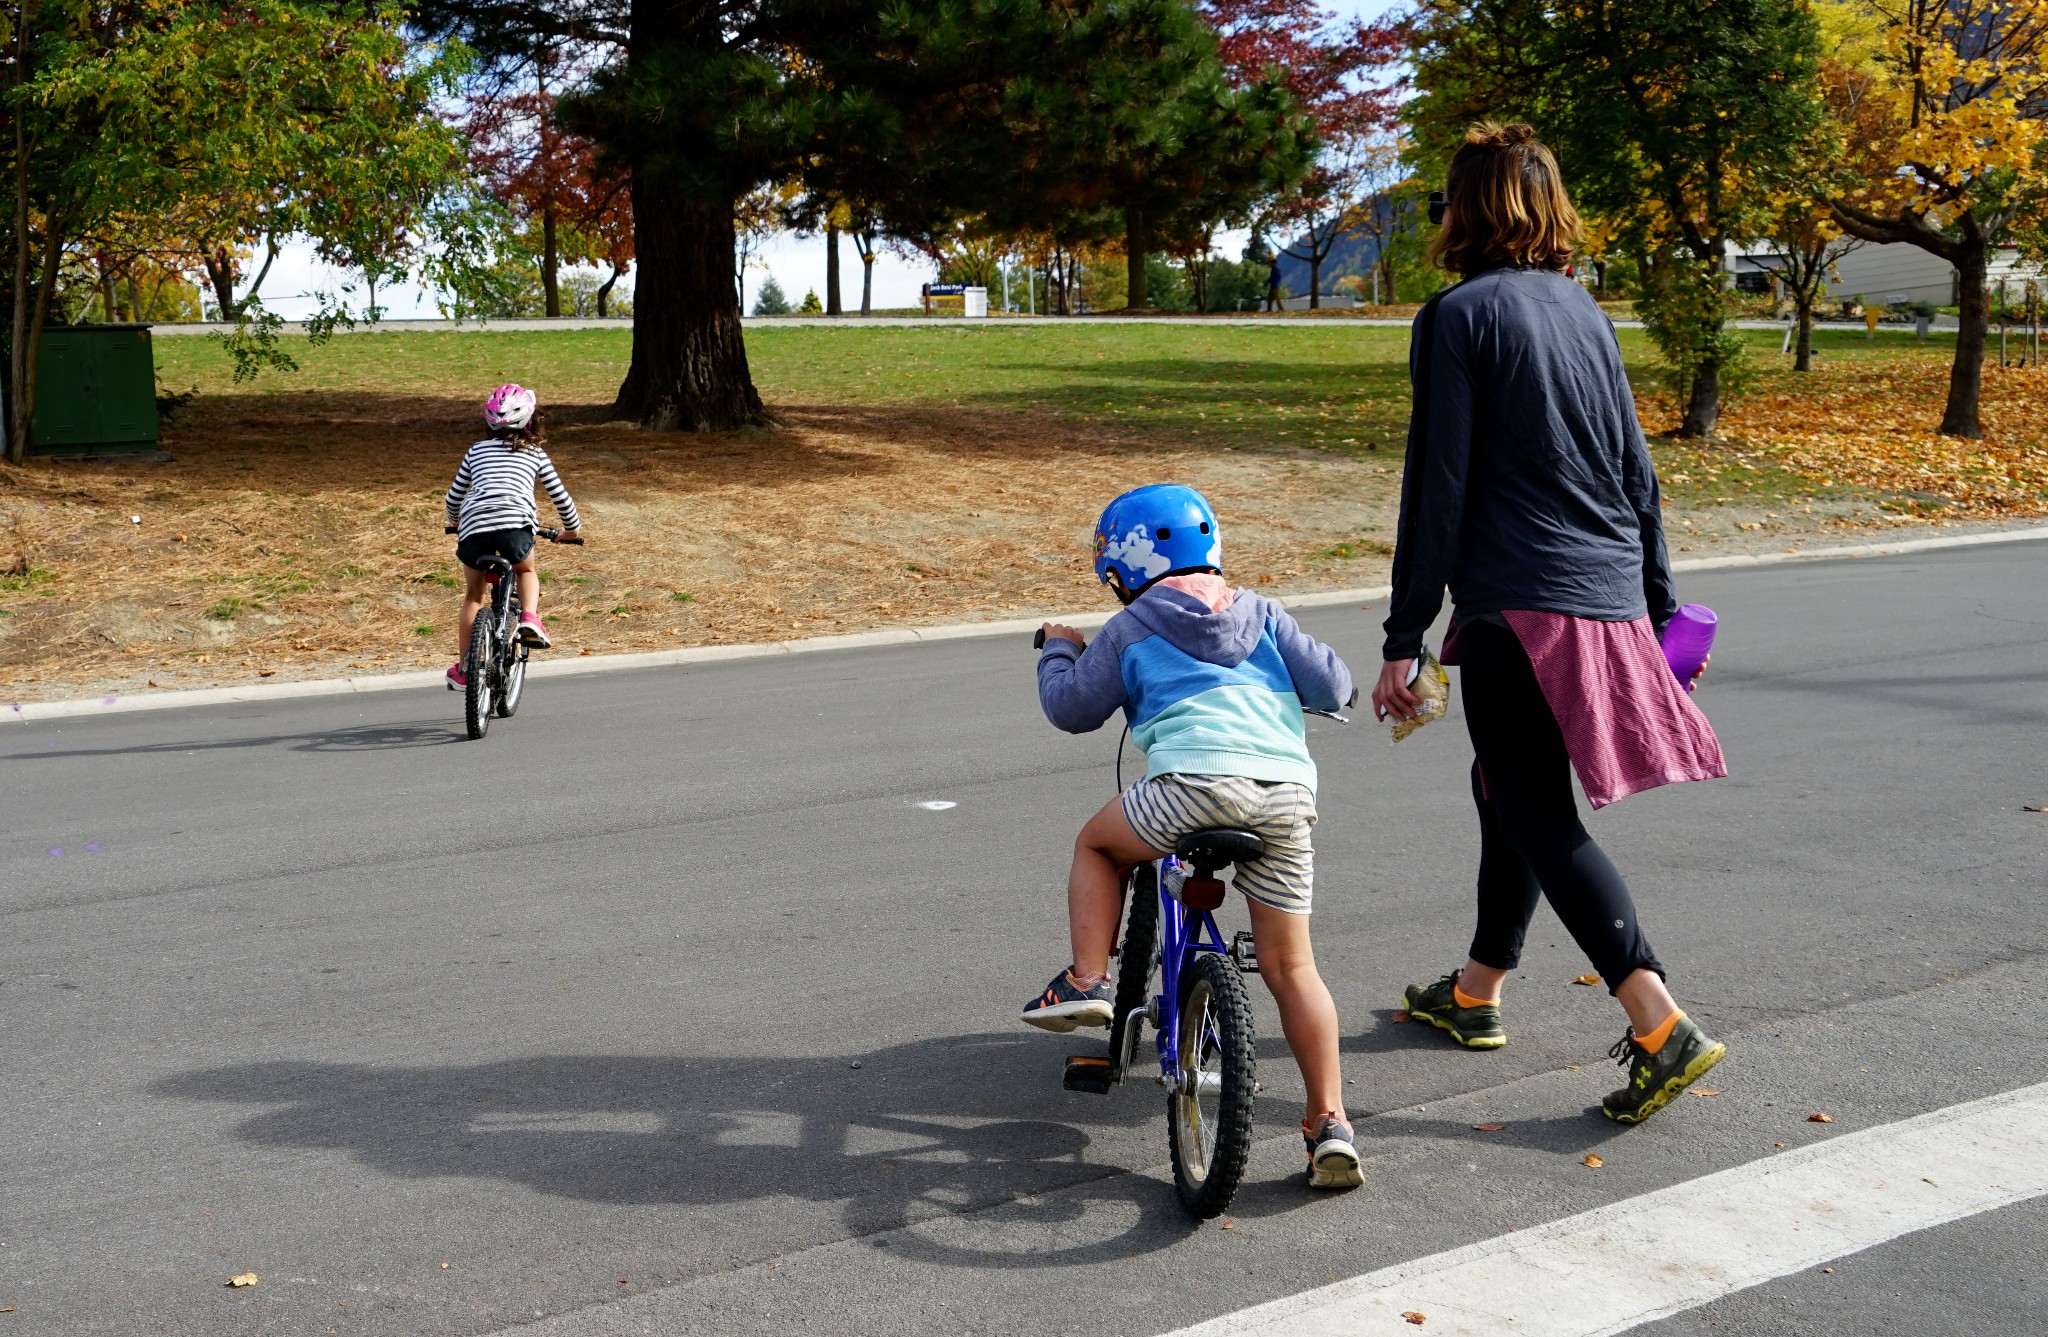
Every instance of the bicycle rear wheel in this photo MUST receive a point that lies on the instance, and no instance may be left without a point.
(1137, 960)
(481, 666)
(1209, 1115)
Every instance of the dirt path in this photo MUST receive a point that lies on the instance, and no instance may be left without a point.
(308, 544)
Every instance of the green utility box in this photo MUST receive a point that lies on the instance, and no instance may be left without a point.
(95, 392)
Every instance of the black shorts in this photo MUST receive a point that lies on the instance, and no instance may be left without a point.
(511, 544)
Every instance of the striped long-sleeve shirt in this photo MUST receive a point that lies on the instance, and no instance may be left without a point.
(493, 489)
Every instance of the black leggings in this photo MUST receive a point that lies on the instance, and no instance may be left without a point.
(1531, 839)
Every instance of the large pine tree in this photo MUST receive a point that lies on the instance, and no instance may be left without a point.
(1025, 112)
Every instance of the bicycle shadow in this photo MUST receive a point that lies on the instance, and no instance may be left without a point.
(361, 738)
(921, 1138)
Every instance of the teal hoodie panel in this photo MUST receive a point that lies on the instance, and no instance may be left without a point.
(1193, 716)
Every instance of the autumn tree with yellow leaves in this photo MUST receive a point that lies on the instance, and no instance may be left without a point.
(1944, 102)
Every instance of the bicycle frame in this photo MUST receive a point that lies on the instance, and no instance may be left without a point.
(1182, 934)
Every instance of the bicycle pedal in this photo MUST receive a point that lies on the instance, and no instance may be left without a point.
(1086, 1072)
(1245, 952)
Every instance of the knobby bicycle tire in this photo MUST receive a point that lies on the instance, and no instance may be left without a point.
(1135, 958)
(514, 660)
(515, 684)
(480, 663)
(1206, 1189)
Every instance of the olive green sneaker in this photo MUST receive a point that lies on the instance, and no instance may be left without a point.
(1653, 1079)
(1473, 1027)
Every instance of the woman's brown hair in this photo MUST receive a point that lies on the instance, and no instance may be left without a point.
(1506, 204)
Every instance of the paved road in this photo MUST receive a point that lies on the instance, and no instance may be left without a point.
(668, 1009)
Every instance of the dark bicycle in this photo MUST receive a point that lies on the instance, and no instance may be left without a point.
(495, 662)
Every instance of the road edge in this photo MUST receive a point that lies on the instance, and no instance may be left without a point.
(29, 711)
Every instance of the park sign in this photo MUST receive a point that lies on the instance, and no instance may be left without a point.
(973, 298)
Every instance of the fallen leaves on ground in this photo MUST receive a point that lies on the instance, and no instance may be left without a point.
(1820, 1118)
(1868, 423)
(1230, 1225)
(242, 1279)
(1587, 979)
(1705, 1091)
(1488, 1127)
(1401, 1018)
(1418, 1319)
(2035, 807)
(1591, 1161)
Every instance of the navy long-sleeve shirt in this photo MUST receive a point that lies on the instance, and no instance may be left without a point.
(1527, 484)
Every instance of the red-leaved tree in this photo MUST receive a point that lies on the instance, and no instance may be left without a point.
(1337, 72)
(551, 182)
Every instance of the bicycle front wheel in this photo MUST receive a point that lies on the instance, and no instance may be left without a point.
(1137, 960)
(1209, 1112)
(481, 665)
(515, 683)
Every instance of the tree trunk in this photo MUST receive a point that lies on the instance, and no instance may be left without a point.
(1802, 351)
(1134, 261)
(689, 370)
(604, 294)
(550, 261)
(1315, 280)
(867, 284)
(18, 336)
(28, 347)
(1966, 374)
(832, 269)
(220, 273)
(1703, 407)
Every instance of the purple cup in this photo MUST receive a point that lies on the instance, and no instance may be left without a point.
(1689, 639)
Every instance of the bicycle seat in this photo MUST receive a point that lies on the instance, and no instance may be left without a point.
(1212, 849)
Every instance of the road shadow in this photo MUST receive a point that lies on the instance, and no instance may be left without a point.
(361, 738)
(1387, 1036)
(894, 1136)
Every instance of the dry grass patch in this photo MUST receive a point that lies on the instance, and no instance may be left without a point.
(300, 535)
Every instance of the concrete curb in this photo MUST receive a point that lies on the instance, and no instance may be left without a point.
(24, 712)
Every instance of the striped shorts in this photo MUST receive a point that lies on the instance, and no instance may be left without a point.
(1163, 808)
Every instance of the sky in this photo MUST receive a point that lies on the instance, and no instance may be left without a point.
(796, 262)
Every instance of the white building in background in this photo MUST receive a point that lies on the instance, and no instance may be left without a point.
(1891, 274)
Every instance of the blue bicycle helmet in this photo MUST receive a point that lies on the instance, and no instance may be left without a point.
(1149, 532)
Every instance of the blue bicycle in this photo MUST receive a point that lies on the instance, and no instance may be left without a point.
(1200, 1012)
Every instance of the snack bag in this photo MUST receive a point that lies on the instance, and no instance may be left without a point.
(1427, 680)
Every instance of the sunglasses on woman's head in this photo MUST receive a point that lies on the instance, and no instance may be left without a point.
(1437, 205)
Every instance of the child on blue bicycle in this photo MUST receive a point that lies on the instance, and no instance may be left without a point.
(1213, 681)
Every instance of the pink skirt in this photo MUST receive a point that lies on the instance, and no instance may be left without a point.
(1627, 723)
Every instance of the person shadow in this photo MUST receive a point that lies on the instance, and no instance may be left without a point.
(897, 1137)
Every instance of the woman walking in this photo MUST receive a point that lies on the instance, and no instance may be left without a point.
(1529, 492)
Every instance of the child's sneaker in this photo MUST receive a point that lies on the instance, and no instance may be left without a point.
(1653, 1079)
(1437, 1004)
(1332, 1155)
(533, 632)
(1065, 1005)
(457, 679)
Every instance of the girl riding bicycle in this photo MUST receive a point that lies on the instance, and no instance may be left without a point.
(1213, 681)
(491, 506)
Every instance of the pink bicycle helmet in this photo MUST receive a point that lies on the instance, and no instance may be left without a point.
(510, 408)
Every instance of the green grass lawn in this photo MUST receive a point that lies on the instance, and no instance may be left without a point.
(1323, 386)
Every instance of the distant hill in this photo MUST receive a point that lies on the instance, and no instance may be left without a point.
(1353, 254)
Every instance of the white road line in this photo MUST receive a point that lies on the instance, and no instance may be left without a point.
(25, 711)
(1613, 1268)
